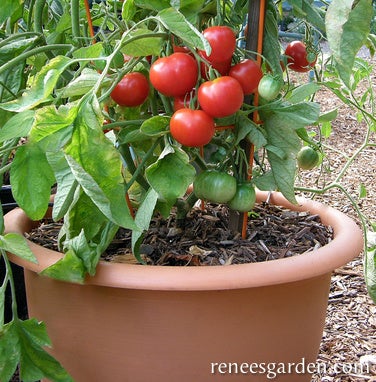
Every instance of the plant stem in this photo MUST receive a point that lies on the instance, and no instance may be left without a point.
(38, 15)
(75, 13)
(25, 55)
(136, 171)
(9, 278)
(339, 186)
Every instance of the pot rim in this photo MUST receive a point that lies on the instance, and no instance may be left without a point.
(347, 244)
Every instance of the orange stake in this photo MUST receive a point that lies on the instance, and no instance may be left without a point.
(89, 20)
(260, 38)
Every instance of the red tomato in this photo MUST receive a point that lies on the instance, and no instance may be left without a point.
(223, 68)
(297, 60)
(184, 101)
(222, 41)
(221, 97)
(192, 128)
(181, 49)
(132, 90)
(174, 75)
(248, 73)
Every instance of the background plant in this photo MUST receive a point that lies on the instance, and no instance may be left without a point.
(61, 127)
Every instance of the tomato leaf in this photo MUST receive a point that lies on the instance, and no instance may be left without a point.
(248, 128)
(265, 182)
(12, 81)
(163, 177)
(81, 212)
(328, 116)
(294, 116)
(305, 9)
(42, 87)
(143, 218)
(362, 191)
(155, 126)
(89, 252)
(17, 245)
(31, 171)
(9, 8)
(99, 172)
(128, 10)
(66, 184)
(49, 120)
(283, 166)
(15, 47)
(22, 342)
(18, 126)
(69, 268)
(82, 84)
(271, 47)
(177, 24)
(303, 92)
(326, 129)
(347, 26)
(149, 44)
(154, 5)
(90, 51)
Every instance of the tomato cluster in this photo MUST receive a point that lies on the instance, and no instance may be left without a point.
(191, 84)
(220, 187)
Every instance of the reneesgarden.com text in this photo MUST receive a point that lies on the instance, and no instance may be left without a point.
(272, 370)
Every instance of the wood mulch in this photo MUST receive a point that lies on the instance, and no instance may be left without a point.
(205, 240)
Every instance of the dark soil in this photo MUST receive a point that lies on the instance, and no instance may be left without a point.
(272, 233)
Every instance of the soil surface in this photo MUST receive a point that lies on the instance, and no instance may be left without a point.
(205, 240)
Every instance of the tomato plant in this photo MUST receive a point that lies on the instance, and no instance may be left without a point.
(132, 90)
(244, 198)
(214, 186)
(54, 108)
(221, 97)
(298, 59)
(307, 158)
(269, 87)
(222, 41)
(192, 128)
(174, 75)
(248, 73)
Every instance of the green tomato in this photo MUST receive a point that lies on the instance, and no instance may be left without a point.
(244, 198)
(307, 158)
(269, 87)
(214, 186)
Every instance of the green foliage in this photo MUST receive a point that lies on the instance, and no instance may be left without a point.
(22, 342)
(348, 25)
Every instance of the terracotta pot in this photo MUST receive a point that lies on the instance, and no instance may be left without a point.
(142, 323)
